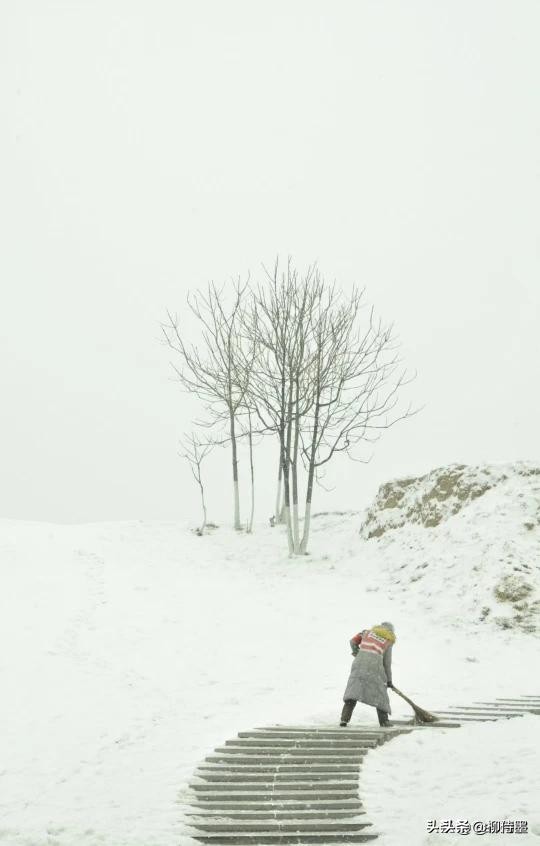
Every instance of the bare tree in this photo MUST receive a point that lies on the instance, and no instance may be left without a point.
(356, 380)
(279, 325)
(294, 359)
(322, 381)
(216, 374)
(194, 451)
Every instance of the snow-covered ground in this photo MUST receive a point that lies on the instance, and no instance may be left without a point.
(129, 651)
(478, 775)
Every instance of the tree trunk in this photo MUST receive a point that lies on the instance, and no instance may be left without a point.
(203, 527)
(307, 526)
(281, 517)
(286, 476)
(311, 478)
(287, 500)
(279, 498)
(295, 520)
(249, 527)
(236, 491)
(294, 470)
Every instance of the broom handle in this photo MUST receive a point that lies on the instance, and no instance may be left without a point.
(406, 698)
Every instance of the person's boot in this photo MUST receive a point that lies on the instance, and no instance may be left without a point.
(384, 722)
(346, 713)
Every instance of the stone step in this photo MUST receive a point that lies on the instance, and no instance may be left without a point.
(490, 715)
(333, 726)
(282, 838)
(309, 814)
(276, 795)
(412, 726)
(274, 827)
(284, 769)
(488, 709)
(231, 778)
(509, 712)
(319, 805)
(291, 751)
(344, 741)
(285, 746)
(270, 786)
(467, 718)
(278, 759)
(346, 737)
(322, 732)
(530, 696)
(338, 734)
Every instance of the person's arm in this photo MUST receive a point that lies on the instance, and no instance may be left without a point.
(355, 642)
(387, 664)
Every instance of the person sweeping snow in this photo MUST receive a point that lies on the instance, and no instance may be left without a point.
(371, 672)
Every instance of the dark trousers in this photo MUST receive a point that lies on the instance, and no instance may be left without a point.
(349, 706)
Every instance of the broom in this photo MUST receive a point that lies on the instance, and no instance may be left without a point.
(421, 715)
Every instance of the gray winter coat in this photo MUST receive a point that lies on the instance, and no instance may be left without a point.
(368, 679)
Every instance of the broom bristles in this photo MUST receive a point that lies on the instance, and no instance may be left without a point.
(423, 715)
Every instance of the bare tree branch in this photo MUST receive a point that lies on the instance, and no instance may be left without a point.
(194, 452)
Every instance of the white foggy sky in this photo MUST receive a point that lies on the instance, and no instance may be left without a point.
(149, 147)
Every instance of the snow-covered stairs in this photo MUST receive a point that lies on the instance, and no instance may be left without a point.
(299, 784)
(489, 711)
(284, 784)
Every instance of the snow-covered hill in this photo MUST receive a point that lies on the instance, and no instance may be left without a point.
(131, 650)
(470, 533)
